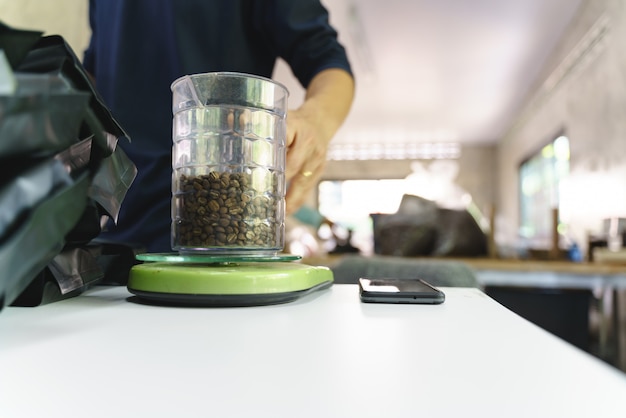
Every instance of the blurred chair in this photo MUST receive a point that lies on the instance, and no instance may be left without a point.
(444, 273)
(421, 228)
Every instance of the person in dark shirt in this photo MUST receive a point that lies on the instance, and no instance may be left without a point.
(139, 47)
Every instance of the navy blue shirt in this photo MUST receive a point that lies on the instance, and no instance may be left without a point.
(139, 47)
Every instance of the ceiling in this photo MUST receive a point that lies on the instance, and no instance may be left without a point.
(440, 70)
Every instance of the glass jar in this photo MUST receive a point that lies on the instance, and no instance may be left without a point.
(228, 161)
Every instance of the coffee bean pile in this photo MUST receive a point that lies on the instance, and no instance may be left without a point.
(220, 209)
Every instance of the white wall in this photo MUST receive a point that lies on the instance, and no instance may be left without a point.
(68, 18)
(589, 103)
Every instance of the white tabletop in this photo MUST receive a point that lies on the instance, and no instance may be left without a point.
(326, 355)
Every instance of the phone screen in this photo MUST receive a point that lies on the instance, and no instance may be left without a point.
(389, 290)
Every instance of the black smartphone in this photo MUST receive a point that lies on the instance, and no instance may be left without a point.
(389, 290)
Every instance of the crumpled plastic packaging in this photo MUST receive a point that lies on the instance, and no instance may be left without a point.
(42, 117)
(52, 55)
(39, 238)
(16, 43)
(62, 174)
(112, 181)
(27, 191)
(74, 268)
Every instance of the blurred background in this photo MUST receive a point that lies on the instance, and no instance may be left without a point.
(511, 110)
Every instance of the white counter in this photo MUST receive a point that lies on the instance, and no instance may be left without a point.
(326, 355)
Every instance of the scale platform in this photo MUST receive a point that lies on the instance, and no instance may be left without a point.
(222, 280)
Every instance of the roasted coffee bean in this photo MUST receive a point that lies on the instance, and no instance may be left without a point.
(214, 206)
(221, 210)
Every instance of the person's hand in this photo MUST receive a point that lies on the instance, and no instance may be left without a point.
(307, 145)
(311, 127)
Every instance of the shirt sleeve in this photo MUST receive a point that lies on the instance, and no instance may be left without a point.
(301, 34)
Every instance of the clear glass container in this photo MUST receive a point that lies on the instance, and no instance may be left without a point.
(228, 161)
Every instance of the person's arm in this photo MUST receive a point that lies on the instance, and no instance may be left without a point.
(310, 128)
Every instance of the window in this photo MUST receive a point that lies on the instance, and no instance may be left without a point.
(349, 203)
(540, 178)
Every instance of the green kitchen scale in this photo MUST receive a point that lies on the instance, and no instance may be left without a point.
(224, 280)
(228, 200)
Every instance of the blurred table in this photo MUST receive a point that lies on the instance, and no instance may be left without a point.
(607, 282)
